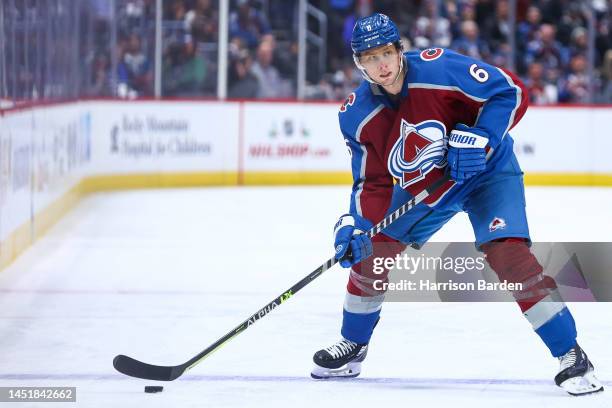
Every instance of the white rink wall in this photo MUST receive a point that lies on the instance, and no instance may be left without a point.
(45, 153)
(50, 155)
(565, 140)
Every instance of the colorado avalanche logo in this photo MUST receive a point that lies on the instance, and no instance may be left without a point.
(431, 54)
(497, 223)
(419, 149)
(349, 101)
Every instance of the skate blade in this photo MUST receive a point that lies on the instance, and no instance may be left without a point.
(351, 370)
(584, 385)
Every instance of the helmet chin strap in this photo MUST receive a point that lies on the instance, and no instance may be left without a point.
(367, 77)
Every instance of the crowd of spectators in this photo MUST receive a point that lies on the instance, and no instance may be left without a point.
(550, 39)
(130, 46)
(117, 47)
(259, 65)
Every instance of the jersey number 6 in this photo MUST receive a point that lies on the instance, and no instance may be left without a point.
(479, 74)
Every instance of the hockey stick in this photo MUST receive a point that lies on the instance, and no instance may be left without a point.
(135, 368)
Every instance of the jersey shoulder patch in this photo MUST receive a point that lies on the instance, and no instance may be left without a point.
(349, 101)
(431, 54)
(355, 108)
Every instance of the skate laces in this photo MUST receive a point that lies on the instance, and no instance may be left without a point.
(342, 348)
(568, 359)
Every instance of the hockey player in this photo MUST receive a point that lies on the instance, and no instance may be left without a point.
(419, 116)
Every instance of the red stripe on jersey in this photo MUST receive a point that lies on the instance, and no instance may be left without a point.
(524, 104)
(377, 188)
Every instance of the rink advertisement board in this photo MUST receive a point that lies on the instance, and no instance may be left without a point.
(62, 146)
(281, 137)
(158, 137)
(289, 138)
(15, 172)
(44, 155)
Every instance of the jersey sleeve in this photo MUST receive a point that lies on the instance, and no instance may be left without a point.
(503, 96)
(372, 185)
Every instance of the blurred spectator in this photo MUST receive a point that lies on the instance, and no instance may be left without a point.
(100, 82)
(242, 83)
(606, 93)
(431, 29)
(177, 11)
(270, 83)
(248, 23)
(184, 71)
(501, 56)
(526, 30)
(575, 85)
(135, 76)
(202, 21)
(236, 47)
(580, 41)
(540, 92)
(496, 30)
(344, 81)
(467, 11)
(100, 12)
(285, 56)
(134, 15)
(572, 16)
(470, 43)
(546, 49)
(603, 36)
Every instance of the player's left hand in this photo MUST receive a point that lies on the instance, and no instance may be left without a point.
(466, 154)
(351, 242)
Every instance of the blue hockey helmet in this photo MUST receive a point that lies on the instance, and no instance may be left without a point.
(373, 31)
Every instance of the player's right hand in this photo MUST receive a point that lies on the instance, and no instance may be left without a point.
(350, 241)
(466, 155)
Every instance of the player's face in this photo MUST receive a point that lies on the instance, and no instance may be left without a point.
(381, 64)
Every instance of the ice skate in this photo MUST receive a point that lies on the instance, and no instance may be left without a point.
(341, 360)
(576, 374)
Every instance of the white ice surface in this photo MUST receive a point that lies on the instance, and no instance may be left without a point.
(161, 274)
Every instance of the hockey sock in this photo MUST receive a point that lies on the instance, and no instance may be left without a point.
(538, 299)
(358, 327)
(363, 302)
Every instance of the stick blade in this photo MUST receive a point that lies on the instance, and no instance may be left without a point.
(134, 368)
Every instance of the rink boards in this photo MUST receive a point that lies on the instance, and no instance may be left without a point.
(50, 155)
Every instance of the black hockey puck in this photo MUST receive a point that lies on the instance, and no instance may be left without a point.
(153, 388)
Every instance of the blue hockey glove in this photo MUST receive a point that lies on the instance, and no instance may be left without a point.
(352, 245)
(466, 154)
